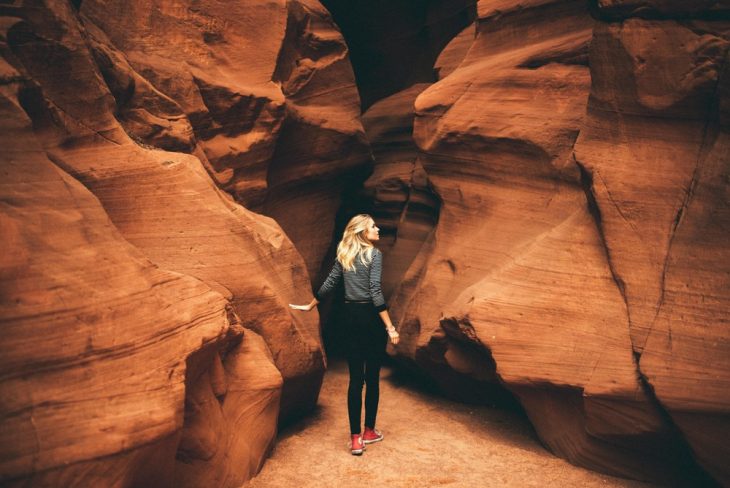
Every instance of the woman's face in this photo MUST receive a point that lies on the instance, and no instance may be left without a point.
(372, 233)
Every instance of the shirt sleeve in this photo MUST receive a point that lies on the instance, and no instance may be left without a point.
(332, 279)
(376, 271)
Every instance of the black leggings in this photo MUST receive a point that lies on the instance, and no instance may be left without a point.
(366, 340)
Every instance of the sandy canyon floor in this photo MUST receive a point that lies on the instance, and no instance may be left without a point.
(429, 441)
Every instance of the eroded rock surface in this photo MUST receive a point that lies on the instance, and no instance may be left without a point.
(518, 284)
(655, 144)
(236, 267)
(165, 203)
(97, 338)
(261, 92)
(553, 197)
(404, 205)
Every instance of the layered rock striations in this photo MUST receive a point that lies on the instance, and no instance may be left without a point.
(403, 202)
(521, 282)
(552, 192)
(165, 203)
(483, 145)
(87, 267)
(655, 147)
(231, 412)
(99, 342)
(261, 92)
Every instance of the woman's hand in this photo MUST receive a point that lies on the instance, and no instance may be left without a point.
(393, 335)
(306, 308)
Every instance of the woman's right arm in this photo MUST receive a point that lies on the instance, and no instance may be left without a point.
(309, 306)
(329, 284)
(332, 279)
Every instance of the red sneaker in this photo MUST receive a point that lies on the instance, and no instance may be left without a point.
(372, 435)
(357, 445)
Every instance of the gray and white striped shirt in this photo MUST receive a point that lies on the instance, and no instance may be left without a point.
(361, 284)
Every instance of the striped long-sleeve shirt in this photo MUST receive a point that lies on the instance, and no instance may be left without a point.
(361, 284)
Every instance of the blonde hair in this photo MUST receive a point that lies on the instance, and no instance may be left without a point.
(354, 243)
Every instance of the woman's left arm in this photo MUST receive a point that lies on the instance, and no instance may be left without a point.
(376, 294)
(392, 333)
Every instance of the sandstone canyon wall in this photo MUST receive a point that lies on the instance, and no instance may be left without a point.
(552, 185)
(578, 151)
(99, 343)
(261, 92)
(145, 308)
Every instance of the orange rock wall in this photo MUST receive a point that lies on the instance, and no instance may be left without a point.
(98, 340)
(578, 154)
(655, 145)
(261, 92)
(553, 195)
(162, 302)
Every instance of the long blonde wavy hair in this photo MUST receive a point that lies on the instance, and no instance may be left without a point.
(354, 243)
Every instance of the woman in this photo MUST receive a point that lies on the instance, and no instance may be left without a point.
(360, 263)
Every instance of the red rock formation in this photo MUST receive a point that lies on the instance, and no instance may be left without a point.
(516, 283)
(261, 92)
(487, 131)
(576, 258)
(165, 205)
(230, 415)
(655, 144)
(321, 152)
(455, 52)
(197, 57)
(96, 337)
(404, 205)
(618, 9)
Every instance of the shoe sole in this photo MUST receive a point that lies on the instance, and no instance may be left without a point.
(372, 441)
(358, 453)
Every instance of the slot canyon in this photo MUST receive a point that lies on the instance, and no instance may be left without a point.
(552, 183)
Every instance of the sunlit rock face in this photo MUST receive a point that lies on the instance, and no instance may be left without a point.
(261, 92)
(99, 343)
(564, 257)
(161, 302)
(655, 147)
(552, 187)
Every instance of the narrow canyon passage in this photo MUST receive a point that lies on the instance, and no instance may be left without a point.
(429, 441)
